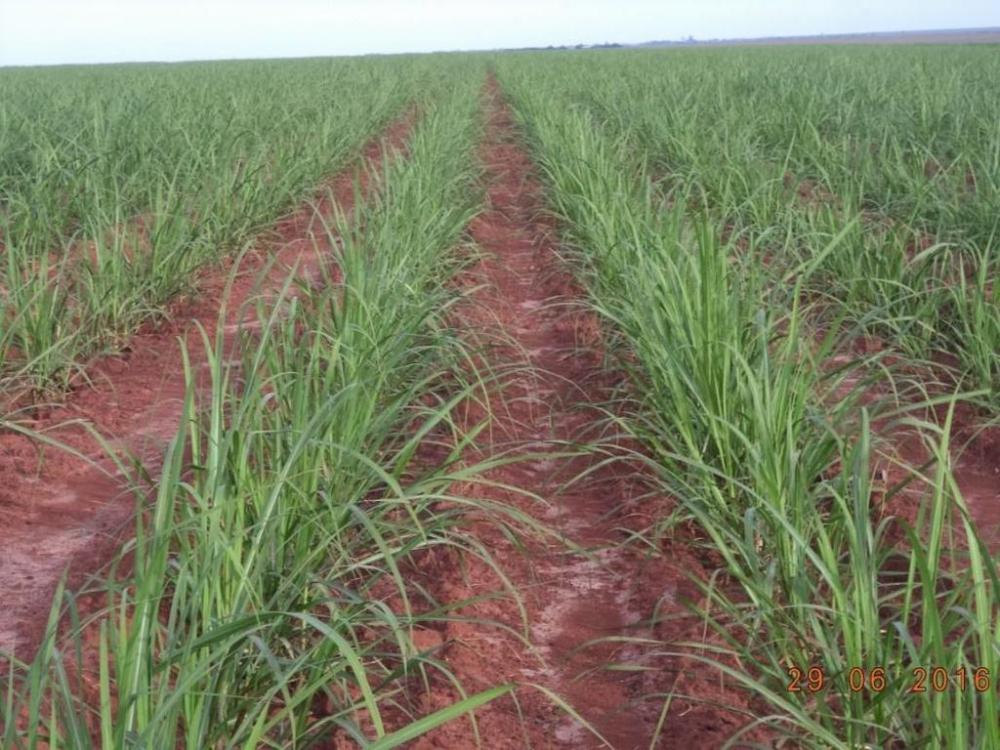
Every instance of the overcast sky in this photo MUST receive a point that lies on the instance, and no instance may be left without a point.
(75, 31)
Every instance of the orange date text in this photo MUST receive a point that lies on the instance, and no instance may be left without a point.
(877, 679)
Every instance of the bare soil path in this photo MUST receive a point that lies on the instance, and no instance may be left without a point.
(588, 600)
(586, 608)
(60, 512)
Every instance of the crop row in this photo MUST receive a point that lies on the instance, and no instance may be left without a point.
(728, 300)
(792, 148)
(117, 184)
(251, 609)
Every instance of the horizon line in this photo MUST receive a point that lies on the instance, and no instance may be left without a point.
(689, 41)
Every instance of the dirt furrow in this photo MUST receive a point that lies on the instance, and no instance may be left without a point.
(526, 321)
(61, 511)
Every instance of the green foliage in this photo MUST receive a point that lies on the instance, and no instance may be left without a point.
(251, 609)
(117, 183)
(785, 148)
(734, 300)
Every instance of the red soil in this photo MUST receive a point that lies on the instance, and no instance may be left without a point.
(975, 465)
(583, 611)
(529, 324)
(594, 602)
(61, 511)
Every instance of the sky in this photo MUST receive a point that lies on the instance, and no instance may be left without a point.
(42, 32)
